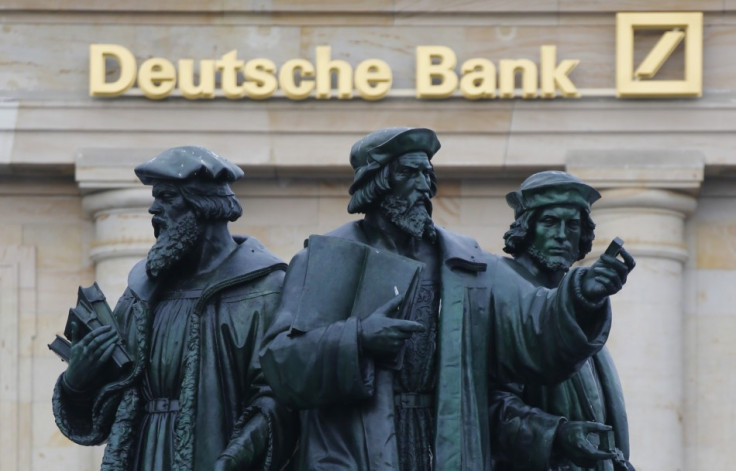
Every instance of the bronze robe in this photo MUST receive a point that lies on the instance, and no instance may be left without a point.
(221, 384)
(525, 417)
(490, 329)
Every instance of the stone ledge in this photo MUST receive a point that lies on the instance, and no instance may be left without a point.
(666, 169)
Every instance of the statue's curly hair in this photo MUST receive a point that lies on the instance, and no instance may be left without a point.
(371, 193)
(519, 235)
(212, 207)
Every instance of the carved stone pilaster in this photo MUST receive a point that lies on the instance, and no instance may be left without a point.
(646, 199)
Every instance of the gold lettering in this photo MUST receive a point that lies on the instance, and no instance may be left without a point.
(324, 78)
(555, 76)
(230, 65)
(325, 66)
(98, 53)
(157, 78)
(260, 79)
(507, 77)
(435, 64)
(287, 78)
(206, 87)
(373, 79)
(479, 79)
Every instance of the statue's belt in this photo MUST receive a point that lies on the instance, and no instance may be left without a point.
(162, 405)
(413, 400)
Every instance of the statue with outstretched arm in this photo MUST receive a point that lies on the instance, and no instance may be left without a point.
(578, 424)
(468, 324)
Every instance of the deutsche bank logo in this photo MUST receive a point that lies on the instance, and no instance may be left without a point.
(639, 80)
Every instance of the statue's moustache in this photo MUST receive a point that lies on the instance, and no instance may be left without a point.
(426, 200)
(159, 224)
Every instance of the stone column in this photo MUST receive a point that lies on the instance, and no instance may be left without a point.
(123, 235)
(646, 198)
(118, 203)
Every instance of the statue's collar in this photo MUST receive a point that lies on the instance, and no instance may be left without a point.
(457, 251)
(249, 257)
(460, 251)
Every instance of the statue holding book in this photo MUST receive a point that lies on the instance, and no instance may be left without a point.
(391, 329)
(579, 424)
(192, 395)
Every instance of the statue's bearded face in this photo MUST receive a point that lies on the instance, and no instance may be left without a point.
(176, 227)
(555, 242)
(409, 204)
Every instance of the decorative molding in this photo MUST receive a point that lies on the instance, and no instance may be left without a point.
(681, 170)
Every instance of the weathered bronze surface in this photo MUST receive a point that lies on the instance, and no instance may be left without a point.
(406, 385)
(192, 319)
(578, 424)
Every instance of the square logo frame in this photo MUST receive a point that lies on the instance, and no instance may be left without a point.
(677, 24)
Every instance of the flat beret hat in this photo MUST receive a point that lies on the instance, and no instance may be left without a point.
(380, 147)
(187, 163)
(551, 187)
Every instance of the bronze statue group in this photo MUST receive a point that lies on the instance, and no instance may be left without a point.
(390, 343)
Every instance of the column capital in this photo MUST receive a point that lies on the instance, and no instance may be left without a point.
(676, 170)
(105, 169)
(108, 182)
(118, 203)
(646, 198)
(136, 199)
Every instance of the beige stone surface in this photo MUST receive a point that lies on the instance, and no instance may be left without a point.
(51, 230)
(57, 292)
(501, 18)
(60, 67)
(324, 5)
(710, 327)
(646, 344)
(672, 169)
(716, 247)
(475, 5)
(419, 6)
(524, 135)
(37, 210)
(446, 211)
(17, 331)
(58, 245)
(11, 234)
(136, 5)
(673, 322)
(713, 416)
(529, 150)
(714, 292)
(641, 5)
(648, 338)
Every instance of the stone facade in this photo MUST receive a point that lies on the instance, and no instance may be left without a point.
(71, 210)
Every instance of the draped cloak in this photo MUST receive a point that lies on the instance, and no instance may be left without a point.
(525, 417)
(490, 328)
(222, 388)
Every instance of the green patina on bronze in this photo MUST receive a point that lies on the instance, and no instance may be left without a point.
(192, 318)
(549, 427)
(472, 323)
(384, 378)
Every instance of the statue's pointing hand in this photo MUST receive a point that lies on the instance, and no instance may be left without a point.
(607, 276)
(88, 356)
(382, 336)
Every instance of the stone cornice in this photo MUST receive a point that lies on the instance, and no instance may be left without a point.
(679, 170)
(117, 200)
